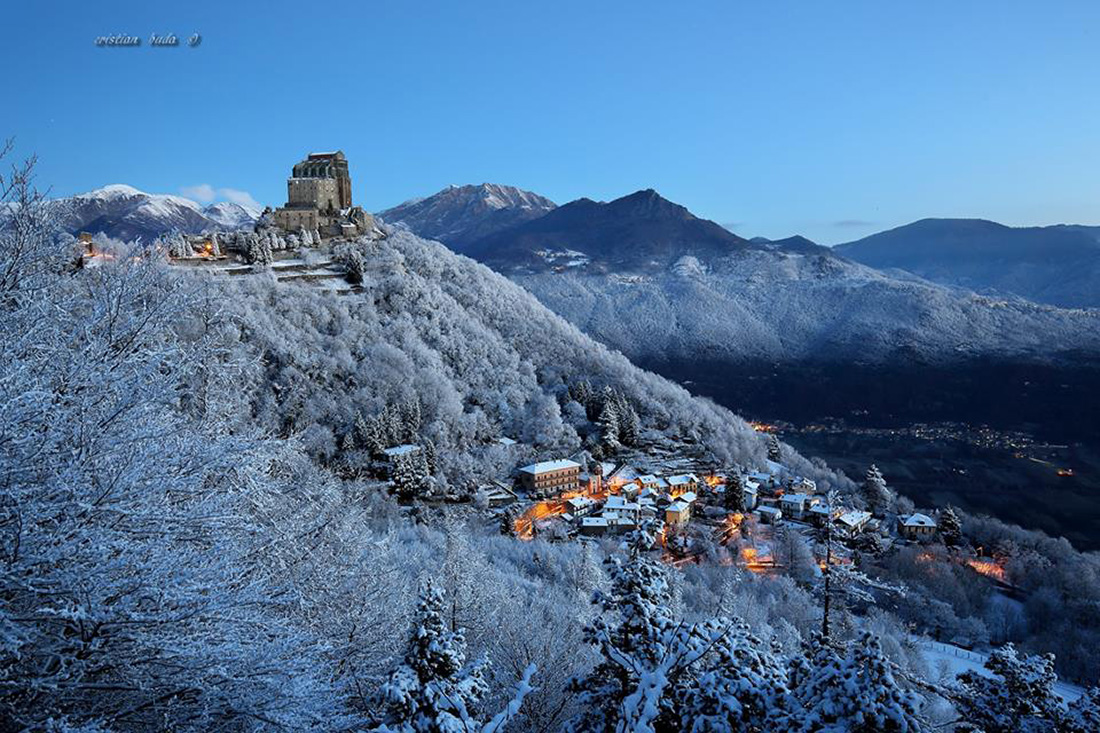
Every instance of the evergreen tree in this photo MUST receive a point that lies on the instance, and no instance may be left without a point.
(410, 419)
(734, 498)
(875, 492)
(361, 430)
(409, 476)
(609, 426)
(434, 690)
(1020, 698)
(629, 424)
(429, 457)
(376, 441)
(259, 250)
(1083, 714)
(950, 527)
(775, 451)
(855, 693)
(508, 519)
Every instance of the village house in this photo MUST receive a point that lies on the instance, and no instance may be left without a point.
(682, 483)
(797, 506)
(497, 494)
(678, 513)
(853, 521)
(553, 477)
(580, 506)
(400, 450)
(769, 514)
(750, 492)
(821, 514)
(916, 526)
(622, 507)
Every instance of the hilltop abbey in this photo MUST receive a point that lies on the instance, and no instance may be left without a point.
(319, 199)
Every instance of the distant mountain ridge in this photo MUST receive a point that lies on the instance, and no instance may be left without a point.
(647, 277)
(638, 232)
(1058, 265)
(460, 215)
(126, 213)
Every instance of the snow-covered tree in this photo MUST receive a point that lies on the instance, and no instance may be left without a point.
(875, 492)
(734, 497)
(609, 426)
(854, 692)
(409, 476)
(434, 690)
(775, 451)
(259, 250)
(1019, 698)
(950, 527)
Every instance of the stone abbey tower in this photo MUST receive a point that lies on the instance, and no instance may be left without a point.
(319, 198)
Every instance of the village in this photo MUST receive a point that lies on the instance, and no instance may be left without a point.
(697, 508)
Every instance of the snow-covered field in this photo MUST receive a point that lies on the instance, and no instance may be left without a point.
(946, 661)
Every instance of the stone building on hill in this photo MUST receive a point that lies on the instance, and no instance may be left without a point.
(319, 199)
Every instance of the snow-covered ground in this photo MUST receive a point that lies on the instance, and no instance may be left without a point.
(945, 661)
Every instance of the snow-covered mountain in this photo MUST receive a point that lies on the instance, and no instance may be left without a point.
(647, 277)
(459, 215)
(1059, 265)
(231, 216)
(125, 213)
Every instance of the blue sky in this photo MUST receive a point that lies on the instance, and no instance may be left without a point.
(831, 120)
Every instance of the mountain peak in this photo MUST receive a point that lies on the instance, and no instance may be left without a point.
(459, 215)
(639, 231)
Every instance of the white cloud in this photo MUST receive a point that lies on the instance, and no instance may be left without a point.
(241, 198)
(203, 192)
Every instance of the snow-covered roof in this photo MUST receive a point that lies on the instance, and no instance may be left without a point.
(918, 520)
(774, 467)
(400, 450)
(760, 477)
(821, 509)
(794, 499)
(770, 510)
(580, 502)
(683, 479)
(595, 522)
(688, 497)
(679, 506)
(544, 466)
(505, 440)
(854, 518)
(618, 502)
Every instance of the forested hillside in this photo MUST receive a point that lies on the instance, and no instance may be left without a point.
(191, 540)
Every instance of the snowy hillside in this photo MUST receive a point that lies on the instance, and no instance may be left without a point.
(1059, 265)
(485, 357)
(460, 215)
(776, 305)
(645, 276)
(127, 214)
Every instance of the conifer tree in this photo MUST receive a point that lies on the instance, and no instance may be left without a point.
(857, 693)
(409, 476)
(875, 491)
(734, 497)
(950, 527)
(775, 451)
(429, 457)
(433, 690)
(361, 430)
(609, 426)
(1019, 697)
